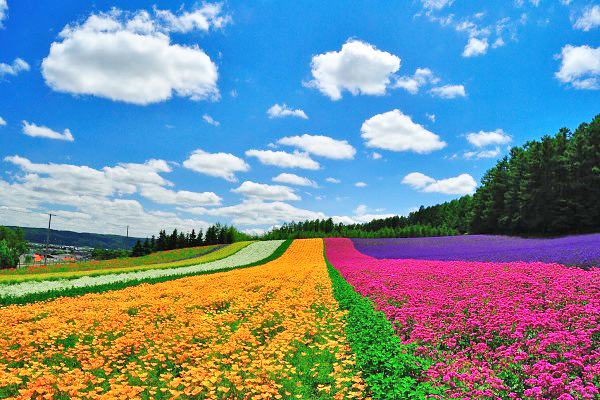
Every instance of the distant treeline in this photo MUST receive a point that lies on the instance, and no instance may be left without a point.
(215, 234)
(390, 227)
(546, 187)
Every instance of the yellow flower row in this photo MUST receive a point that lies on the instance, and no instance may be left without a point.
(272, 331)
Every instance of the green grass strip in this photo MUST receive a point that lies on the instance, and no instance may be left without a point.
(389, 367)
(213, 256)
(36, 297)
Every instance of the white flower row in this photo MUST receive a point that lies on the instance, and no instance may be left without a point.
(248, 255)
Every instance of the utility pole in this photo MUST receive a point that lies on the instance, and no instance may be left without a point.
(47, 239)
(127, 239)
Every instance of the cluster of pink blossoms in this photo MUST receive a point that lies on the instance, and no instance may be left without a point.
(491, 330)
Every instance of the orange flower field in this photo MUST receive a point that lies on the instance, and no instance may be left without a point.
(271, 331)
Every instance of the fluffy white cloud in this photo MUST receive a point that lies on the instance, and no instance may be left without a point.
(210, 120)
(358, 67)
(430, 116)
(294, 179)
(41, 131)
(220, 165)
(283, 159)
(2, 122)
(254, 231)
(3, 11)
(376, 156)
(482, 139)
(129, 57)
(17, 66)
(462, 184)
(397, 132)
(280, 111)
(333, 180)
(475, 47)
(360, 184)
(323, 146)
(162, 195)
(258, 212)
(580, 67)
(361, 216)
(449, 91)
(266, 192)
(412, 84)
(204, 18)
(417, 180)
(80, 196)
(589, 20)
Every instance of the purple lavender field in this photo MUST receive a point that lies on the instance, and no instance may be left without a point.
(579, 250)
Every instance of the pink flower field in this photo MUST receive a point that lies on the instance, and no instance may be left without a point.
(527, 330)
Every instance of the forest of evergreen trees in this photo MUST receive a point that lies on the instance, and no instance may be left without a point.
(215, 234)
(545, 187)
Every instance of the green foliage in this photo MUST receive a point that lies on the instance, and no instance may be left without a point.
(390, 368)
(12, 245)
(389, 227)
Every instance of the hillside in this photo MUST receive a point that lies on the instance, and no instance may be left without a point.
(80, 239)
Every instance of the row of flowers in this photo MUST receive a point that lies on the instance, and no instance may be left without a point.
(118, 268)
(271, 331)
(252, 253)
(488, 330)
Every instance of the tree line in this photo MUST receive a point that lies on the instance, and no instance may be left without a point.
(545, 187)
(215, 234)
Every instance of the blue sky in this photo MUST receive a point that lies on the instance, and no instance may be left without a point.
(162, 115)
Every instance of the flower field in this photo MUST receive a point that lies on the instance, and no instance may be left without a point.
(271, 331)
(30, 289)
(580, 250)
(488, 329)
(94, 265)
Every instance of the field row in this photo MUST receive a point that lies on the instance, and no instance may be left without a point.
(295, 326)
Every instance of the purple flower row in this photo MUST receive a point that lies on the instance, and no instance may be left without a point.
(580, 250)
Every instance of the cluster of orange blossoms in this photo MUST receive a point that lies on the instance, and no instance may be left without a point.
(272, 331)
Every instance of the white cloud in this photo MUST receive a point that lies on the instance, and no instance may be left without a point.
(376, 156)
(293, 179)
(17, 66)
(358, 67)
(430, 116)
(580, 67)
(280, 111)
(2, 122)
(333, 180)
(475, 47)
(41, 131)
(360, 184)
(82, 197)
(417, 180)
(482, 139)
(254, 232)
(220, 165)
(266, 192)
(462, 184)
(210, 120)
(491, 153)
(129, 57)
(589, 20)
(3, 11)
(258, 212)
(360, 210)
(449, 91)
(323, 146)
(412, 84)
(436, 4)
(397, 132)
(283, 159)
(162, 195)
